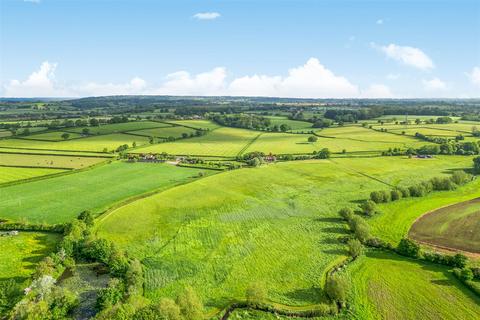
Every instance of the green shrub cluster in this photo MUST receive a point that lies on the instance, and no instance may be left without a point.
(458, 178)
(357, 224)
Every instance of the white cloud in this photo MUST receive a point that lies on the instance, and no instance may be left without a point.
(379, 21)
(40, 83)
(475, 76)
(183, 83)
(135, 86)
(407, 55)
(434, 84)
(206, 15)
(311, 80)
(377, 91)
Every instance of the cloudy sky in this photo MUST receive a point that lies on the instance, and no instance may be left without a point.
(284, 48)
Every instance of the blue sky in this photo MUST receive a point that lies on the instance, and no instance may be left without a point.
(321, 49)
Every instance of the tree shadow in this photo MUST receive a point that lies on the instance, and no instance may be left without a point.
(336, 230)
(329, 220)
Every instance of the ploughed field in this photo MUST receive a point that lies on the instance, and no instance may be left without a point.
(456, 226)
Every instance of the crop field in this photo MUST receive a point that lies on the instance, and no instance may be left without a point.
(397, 217)
(454, 226)
(5, 133)
(52, 136)
(10, 174)
(120, 127)
(94, 143)
(7, 150)
(61, 199)
(224, 141)
(164, 132)
(49, 161)
(387, 286)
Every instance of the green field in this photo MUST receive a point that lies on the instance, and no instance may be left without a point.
(52, 136)
(30, 160)
(120, 127)
(50, 152)
(61, 199)
(220, 142)
(93, 143)
(10, 174)
(293, 124)
(387, 286)
(454, 226)
(254, 225)
(396, 218)
(164, 132)
(198, 124)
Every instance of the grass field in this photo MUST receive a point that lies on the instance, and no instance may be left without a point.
(9, 174)
(387, 286)
(456, 226)
(120, 127)
(165, 132)
(200, 124)
(61, 199)
(396, 218)
(52, 136)
(293, 124)
(5, 133)
(50, 152)
(93, 143)
(252, 225)
(220, 142)
(11, 159)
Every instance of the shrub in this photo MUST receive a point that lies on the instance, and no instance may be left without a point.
(346, 213)
(395, 195)
(191, 306)
(168, 309)
(476, 165)
(459, 260)
(460, 177)
(464, 274)
(408, 248)
(109, 296)
(368, 207)
(355, 248)
(312, 139)
(337, 288)
(405, 192)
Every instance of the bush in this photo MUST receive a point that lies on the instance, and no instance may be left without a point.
(355, 248)
(360, 228)
(408, 248)
(368, 207)
(396, 195)
(337, 288)
(346, 213)
(464, 274)
(312, 139)
(191, 306)
(459, 260)
(168, 309)
(109, 296)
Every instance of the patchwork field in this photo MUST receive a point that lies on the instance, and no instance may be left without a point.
(61, 199)
(164, 132)
(52, 161)
(220, 142)
(252, 225)
(387, 286)
(293, 124)
(94, 143)
(9, 174)
(198, 124)
(53, 136)
(454, 226)
(120, 127)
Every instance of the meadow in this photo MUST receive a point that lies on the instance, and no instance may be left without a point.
(293, 124)
(11, 174)
(164, 132)
(53, 136)
(387, 286)
(253, 225)
(120, 127)
(60, 199)
(454, 226)
(197, 124)
(108, 142)
(47, 161)
(224, 141)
